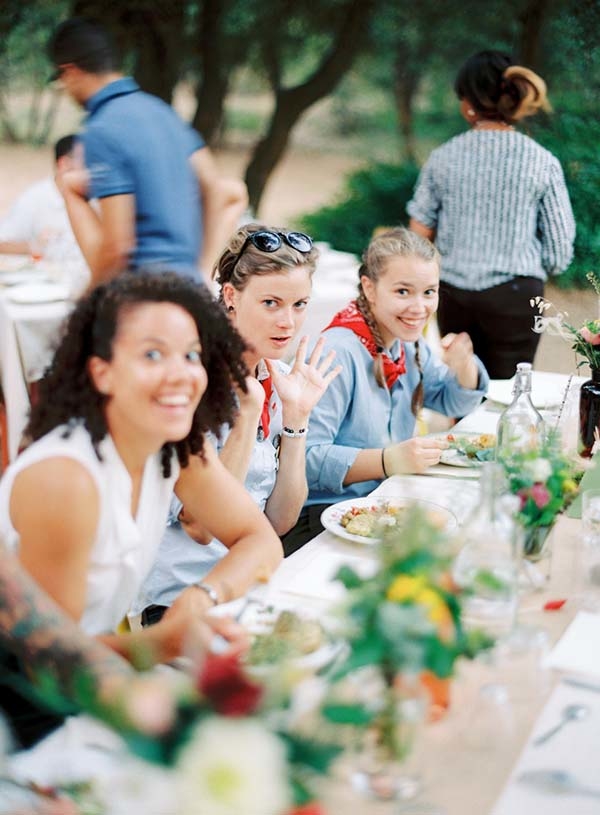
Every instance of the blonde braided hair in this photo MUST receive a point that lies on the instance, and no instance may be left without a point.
(398, 242)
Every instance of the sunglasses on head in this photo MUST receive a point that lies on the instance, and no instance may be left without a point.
(265, 240)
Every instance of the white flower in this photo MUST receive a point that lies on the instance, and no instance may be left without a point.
(539, 469)
(232, 766)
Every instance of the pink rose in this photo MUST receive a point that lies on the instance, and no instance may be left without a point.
(586, 334)
(540, 495)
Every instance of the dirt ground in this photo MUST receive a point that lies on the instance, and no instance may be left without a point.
(303, 181)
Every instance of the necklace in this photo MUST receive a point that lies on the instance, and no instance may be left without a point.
(489, 124)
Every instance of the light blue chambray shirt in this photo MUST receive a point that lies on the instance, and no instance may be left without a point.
(182, 561)
(355, 414)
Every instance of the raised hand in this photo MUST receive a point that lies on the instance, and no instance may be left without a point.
(457, 353)
(301, 389)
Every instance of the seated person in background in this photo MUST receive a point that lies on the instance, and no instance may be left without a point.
(47, 643)
(362, 429)
(264, 276)
(146, 366)
(38, 223)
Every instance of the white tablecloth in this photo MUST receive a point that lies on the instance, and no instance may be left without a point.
(28, 334)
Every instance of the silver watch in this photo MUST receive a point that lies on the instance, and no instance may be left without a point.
(212, 593)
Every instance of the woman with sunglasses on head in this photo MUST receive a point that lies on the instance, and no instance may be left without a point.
(264, 277)
(144, 369)
(362, 430)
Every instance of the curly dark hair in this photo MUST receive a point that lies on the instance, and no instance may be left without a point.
(67, 393)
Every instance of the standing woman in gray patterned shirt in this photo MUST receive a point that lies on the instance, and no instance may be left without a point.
(497, 206)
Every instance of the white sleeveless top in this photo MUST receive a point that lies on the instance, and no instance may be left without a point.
(125, 547)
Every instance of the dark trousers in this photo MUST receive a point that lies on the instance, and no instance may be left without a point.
(307, 527)
(499, 321)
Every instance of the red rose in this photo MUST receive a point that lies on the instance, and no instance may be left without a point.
(223, 682)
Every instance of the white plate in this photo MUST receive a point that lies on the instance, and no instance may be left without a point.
(38, 293)
(454, 458)
(331, 517)
(261, 619)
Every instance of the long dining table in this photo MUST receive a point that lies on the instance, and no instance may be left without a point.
(470, 758)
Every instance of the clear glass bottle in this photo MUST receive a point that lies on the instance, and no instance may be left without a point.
(487, 562)
(520, 426)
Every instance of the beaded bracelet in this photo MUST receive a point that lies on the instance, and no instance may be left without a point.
(294, 434)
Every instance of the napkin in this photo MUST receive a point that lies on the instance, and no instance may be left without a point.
(590, 481)
(574, 751)
(316, 579)
(578, 649)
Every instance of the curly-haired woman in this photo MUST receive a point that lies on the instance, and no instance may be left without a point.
(497, 205)
(145, 368)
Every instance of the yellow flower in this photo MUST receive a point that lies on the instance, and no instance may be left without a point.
(405, 587)
(413, 588)
(437, 610)
(569, 485)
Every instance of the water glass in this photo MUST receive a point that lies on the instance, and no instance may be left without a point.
(590, 556)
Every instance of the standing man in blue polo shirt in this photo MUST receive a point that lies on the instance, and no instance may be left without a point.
(162, 201)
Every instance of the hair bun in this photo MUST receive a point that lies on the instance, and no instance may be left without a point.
(531, 89)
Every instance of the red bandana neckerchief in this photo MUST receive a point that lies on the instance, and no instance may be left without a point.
(351, 317)
(265, 417)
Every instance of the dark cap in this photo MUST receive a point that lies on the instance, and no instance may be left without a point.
(83, 43)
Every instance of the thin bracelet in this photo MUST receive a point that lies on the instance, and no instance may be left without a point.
(385, 475)
(294, 434)
(209, 590)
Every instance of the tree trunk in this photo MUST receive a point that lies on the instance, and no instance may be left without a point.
(153, 30)
(532, 21)
(405, 89)
(291, 103)
(212, 90)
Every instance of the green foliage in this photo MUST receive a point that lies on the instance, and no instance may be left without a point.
(573, 136)
(375, 196)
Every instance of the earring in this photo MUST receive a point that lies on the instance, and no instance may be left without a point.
(470, 112)
(230, 308)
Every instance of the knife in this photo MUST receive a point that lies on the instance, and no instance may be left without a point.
(581, 683)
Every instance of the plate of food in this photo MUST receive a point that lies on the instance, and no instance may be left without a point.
(361, 519)
(469, 449)
(285, 635)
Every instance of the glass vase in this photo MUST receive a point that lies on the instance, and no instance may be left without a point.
(589, 414)
(537, 552)
(387, 764)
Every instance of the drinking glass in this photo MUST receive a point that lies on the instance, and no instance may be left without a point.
(590, 555)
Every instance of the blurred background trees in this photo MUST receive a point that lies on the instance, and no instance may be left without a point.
(370, 78)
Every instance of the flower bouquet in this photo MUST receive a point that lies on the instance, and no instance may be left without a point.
(405, 632)
(545, 480)
(586, 344)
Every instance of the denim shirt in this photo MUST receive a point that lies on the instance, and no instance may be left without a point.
(355, 414)
(181, 561)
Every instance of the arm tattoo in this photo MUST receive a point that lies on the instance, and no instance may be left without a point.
(45, 640)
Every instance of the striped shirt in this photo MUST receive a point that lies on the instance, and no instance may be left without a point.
(500, 207)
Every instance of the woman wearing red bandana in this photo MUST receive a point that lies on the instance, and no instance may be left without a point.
(264, 276)
(362, 430)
